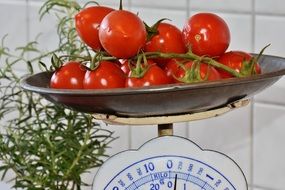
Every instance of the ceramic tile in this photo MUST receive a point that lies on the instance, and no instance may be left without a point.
(181, 129)
(151, 16)
(222, 5)
(5, 186)
(269, 153)
(241, 39)
(224, 133)
(13, 1)
(181, 4)
(274, 94)
(110, 3)
(271, 27)
(229, 134)
(270, 6)
(267, 31)
(122, 142)
(141, 134)
(44, 29)
(15, 28)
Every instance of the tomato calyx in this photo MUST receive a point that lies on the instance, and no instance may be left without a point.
(100, 56)
(191, 70)
(56, 62)
(141, 67)
(153, 30)
(249, 67)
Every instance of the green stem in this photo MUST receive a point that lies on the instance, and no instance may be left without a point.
(79, 154)
(191, 56)
(45, 55)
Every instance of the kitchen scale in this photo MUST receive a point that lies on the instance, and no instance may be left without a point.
(170, 162)
(167, 162)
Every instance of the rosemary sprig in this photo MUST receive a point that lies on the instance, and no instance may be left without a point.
(46, 145)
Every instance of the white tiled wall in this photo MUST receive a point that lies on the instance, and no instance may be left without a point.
(253, 136)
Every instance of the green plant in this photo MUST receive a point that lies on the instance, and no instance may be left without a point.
(46, 145)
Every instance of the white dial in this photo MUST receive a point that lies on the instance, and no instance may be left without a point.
(158, 162)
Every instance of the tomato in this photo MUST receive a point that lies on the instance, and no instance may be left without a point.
(68, 76)
(154, 75)
(122, 34)
(171, 68)
(168, 40)
(188, 74)
(106, 75)
(236, 60)
(206, 34)
(125, 66)
(87, 23)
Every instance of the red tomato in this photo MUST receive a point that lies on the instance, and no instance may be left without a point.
(206, 34)
(125, 66)
(235, 60)
(106, 75)
(171, 69)
(207, 72)
(168, 40)
(153, 76)
(122, 34)
(69, 76)
(87, 23)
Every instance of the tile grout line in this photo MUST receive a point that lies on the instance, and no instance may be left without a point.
(27, 21)
(130, 137)
(188, 7)
(253, 103)
(268, 103)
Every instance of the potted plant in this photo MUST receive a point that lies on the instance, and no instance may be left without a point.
(45, 145)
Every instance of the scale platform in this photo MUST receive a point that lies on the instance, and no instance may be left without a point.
(167, 162)
(165, 123)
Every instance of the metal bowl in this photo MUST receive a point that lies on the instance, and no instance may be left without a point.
(163, 100)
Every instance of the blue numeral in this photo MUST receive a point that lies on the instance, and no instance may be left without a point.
(169, 164)
(149, 167)
(154, 186)
(169, 184)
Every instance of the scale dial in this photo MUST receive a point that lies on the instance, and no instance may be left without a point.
(164, 161)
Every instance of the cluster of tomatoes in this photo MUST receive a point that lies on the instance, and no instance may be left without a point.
(139, 55)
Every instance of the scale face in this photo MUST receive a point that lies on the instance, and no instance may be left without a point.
(168, 163)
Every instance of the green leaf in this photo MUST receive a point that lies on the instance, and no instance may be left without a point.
(153, 30)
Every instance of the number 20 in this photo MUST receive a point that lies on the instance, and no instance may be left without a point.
(154, 186)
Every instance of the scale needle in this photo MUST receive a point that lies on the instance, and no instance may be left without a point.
(175, 181)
